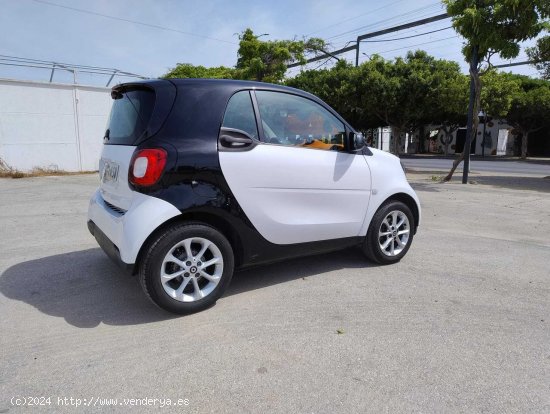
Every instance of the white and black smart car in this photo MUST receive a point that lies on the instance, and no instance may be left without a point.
(202, 177)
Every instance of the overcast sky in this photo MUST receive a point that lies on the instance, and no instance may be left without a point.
(204, 32)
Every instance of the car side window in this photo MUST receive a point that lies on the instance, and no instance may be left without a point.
(239, 114)
(292, 120)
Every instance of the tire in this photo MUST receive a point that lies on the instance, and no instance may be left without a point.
(384, 243)
(176, 278)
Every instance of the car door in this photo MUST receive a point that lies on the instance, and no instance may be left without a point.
(297, 183)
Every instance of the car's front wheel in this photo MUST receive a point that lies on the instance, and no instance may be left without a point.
(390, 233)
(187, 268)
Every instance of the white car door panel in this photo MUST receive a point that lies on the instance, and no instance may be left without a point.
(295, 194)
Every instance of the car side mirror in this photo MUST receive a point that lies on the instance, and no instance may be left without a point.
(357, 141)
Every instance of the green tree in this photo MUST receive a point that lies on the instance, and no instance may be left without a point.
(493, 27)
(497, 92)
(339, 87)
(530, 109)
(450, 106)
(540, 54)
(266, 61)
(257, 59)
(403, 93)
(187, 70)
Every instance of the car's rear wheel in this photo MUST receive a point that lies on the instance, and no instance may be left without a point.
(187, 268)
(390, 233)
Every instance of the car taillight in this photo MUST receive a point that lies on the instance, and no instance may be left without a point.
(147, 166)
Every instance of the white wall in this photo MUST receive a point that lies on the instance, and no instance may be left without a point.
(382, 139)
(52, 125)
(492, 131)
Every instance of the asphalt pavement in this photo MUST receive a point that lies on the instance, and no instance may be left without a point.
(460, 325)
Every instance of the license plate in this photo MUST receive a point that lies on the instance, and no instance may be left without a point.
(110, 172)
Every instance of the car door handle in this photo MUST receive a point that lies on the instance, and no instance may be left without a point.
(235, 140)
(229, 141)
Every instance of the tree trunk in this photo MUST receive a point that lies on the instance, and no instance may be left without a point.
(448, 139)
(477, 104)
(456, 162)
(448, 131)
(420, 147)
(396, 139)
(524, 142)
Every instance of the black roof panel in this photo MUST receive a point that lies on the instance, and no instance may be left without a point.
(227, 84)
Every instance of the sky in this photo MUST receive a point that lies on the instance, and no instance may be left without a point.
(205, 32)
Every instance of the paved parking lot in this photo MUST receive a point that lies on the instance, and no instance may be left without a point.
(462, 324)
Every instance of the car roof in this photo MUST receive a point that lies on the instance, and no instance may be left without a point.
(229, 85)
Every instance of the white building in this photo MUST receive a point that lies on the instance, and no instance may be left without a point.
(499, 140)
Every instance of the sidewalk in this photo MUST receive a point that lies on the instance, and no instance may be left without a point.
(499, 180)
(501, 158)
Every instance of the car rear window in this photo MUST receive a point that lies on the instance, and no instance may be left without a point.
(130, 115)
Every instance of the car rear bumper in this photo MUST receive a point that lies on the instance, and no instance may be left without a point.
(121, 233)
(109, 247)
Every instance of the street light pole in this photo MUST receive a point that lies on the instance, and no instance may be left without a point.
(470, 123)
(483, 139)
